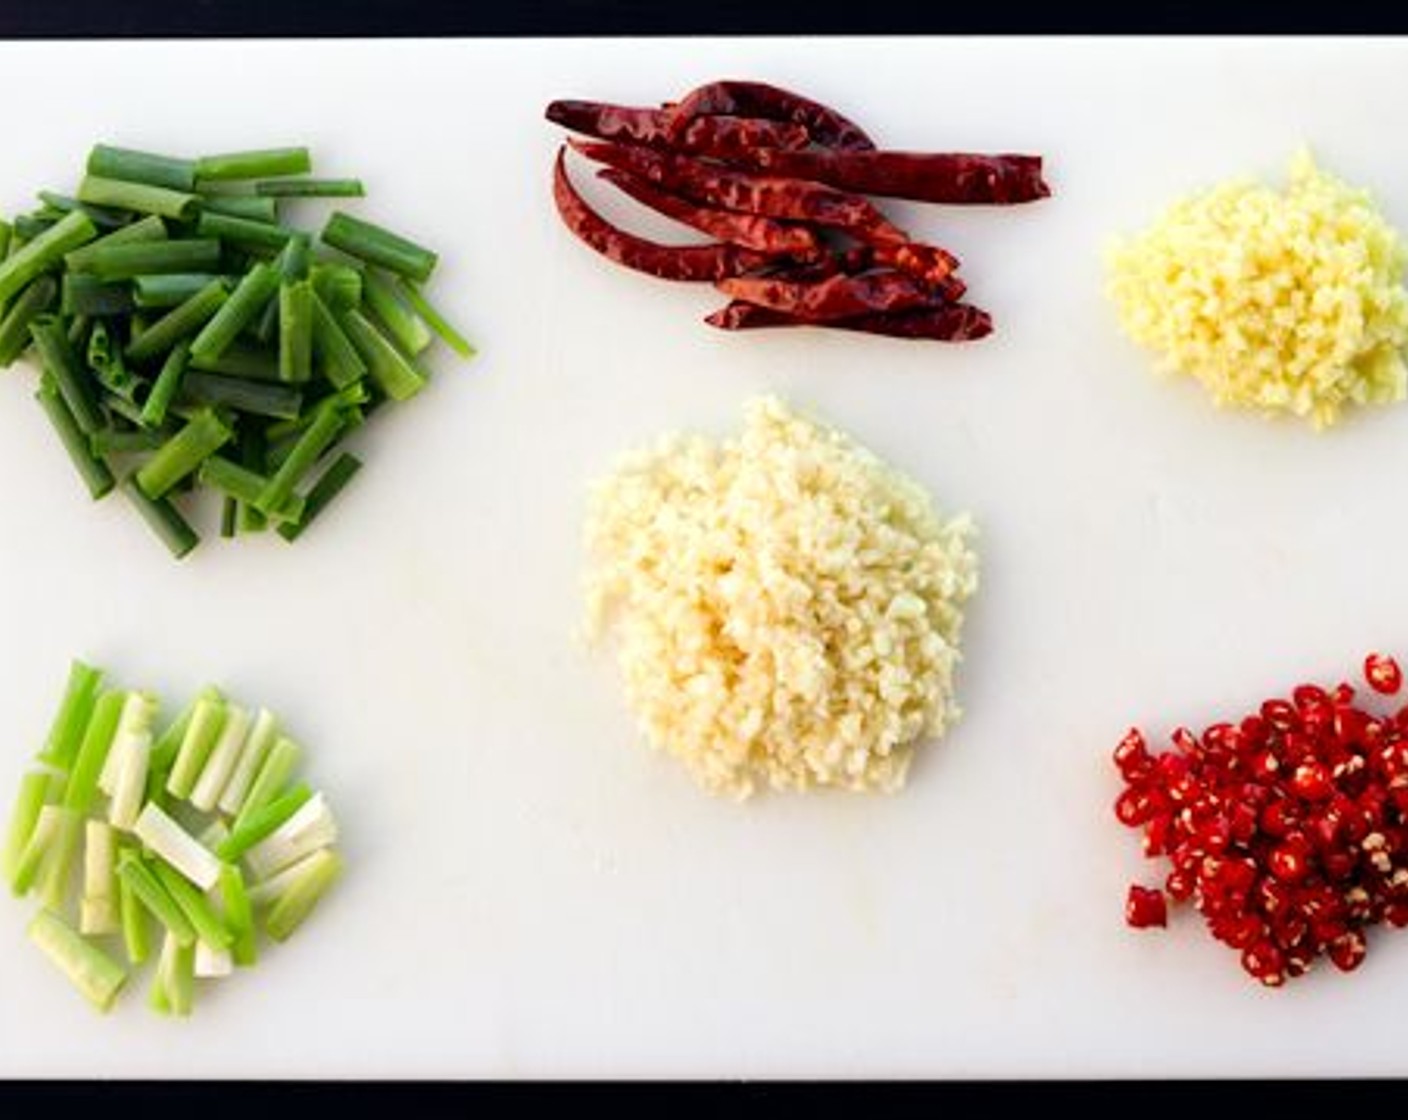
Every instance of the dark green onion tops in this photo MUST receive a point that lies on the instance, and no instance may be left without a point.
(192, 338)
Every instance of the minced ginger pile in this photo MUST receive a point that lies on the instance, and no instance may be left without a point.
(788, 607)
(1288, 302)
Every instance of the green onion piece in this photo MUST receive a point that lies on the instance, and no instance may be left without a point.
(33, 794)
(183, 453)
(263, 823)
(85, 294)
(96, 975)
(223, 758)
(93, 752)
(141, 167)
(256, 750)
(262, 398)
(62, 364)
(266, 327)
(306, 452)
(245, 485)
(167, 839)
(293, 261)
(241, 360)
(194, 905)
(251, 209)
(253, 457)
(130, 782)
(98, 908)
(246, 301)
(296, 330)
(72, 717)
(379, 246)
(203, 727)
(242, 231)
(6, 232)
(77, 333)
(167, 383)
(103, 216)
(438, 323)
(90, 465)
(264, 163)
(141, 197)
(148, 258)
(32, 857)
(393, 372)
(150, 228)
(168, 744)
(135, 934)
(310, 188)
(311, 826)
(134, 728)
(239, 916)
(174, 986)
(44, 252)
(338, 360)
(57, 872)
(339, 286)
(390, 305)
(268, 783)
(133, 870)
(169, 289)
(163, 518)
(30, 226)
(178, 323)
(36, 299)
(112, 441)
(107, 365)
(337, 476)
(315, 874)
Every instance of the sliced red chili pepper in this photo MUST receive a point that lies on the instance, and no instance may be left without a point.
(748, 230)
(954, 177)
(669, 262)
(758, 99)
(953, 322)
(836, 297)
(721, 137)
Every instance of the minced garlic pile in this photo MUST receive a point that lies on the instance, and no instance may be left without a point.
(1281, 301)
(788, 607)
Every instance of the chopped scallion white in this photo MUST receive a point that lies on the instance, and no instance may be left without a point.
(224, 757)
(176, 846)
(310, 828)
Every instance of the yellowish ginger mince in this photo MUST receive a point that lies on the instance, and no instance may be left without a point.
(1283, 301)
(788, 608)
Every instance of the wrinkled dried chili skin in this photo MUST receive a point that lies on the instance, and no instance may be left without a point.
(722, 137)
(770, 196)
(836, 297)
(949, 177)
(748, 230)
(957, 322)
(758, 99)
(692, 262)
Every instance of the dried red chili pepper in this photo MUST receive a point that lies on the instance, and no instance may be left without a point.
(770, 196)
(836, 297)
(953, 177)
(749, 230)
(758, 99)
(955, 322)
(690, 262)
(723, 137)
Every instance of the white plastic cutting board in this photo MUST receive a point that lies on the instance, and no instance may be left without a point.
(531, 892)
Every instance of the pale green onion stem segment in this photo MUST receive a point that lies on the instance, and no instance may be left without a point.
(32, 796)
(71, 719)
(202, 730)
(273, 775)
(310, 827)
(98, 911)
(263, 822)
(310, 881)
(388, 302)
(438, 323)
(194, 905)
(164, 837)
(42, 838)
(133, 871)
(96, 975)
(93, 751)
(57, 871)
(173, 988)
(262, 737)
(168, 743)
(223, 758)
(239, 916)
(136, 932)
